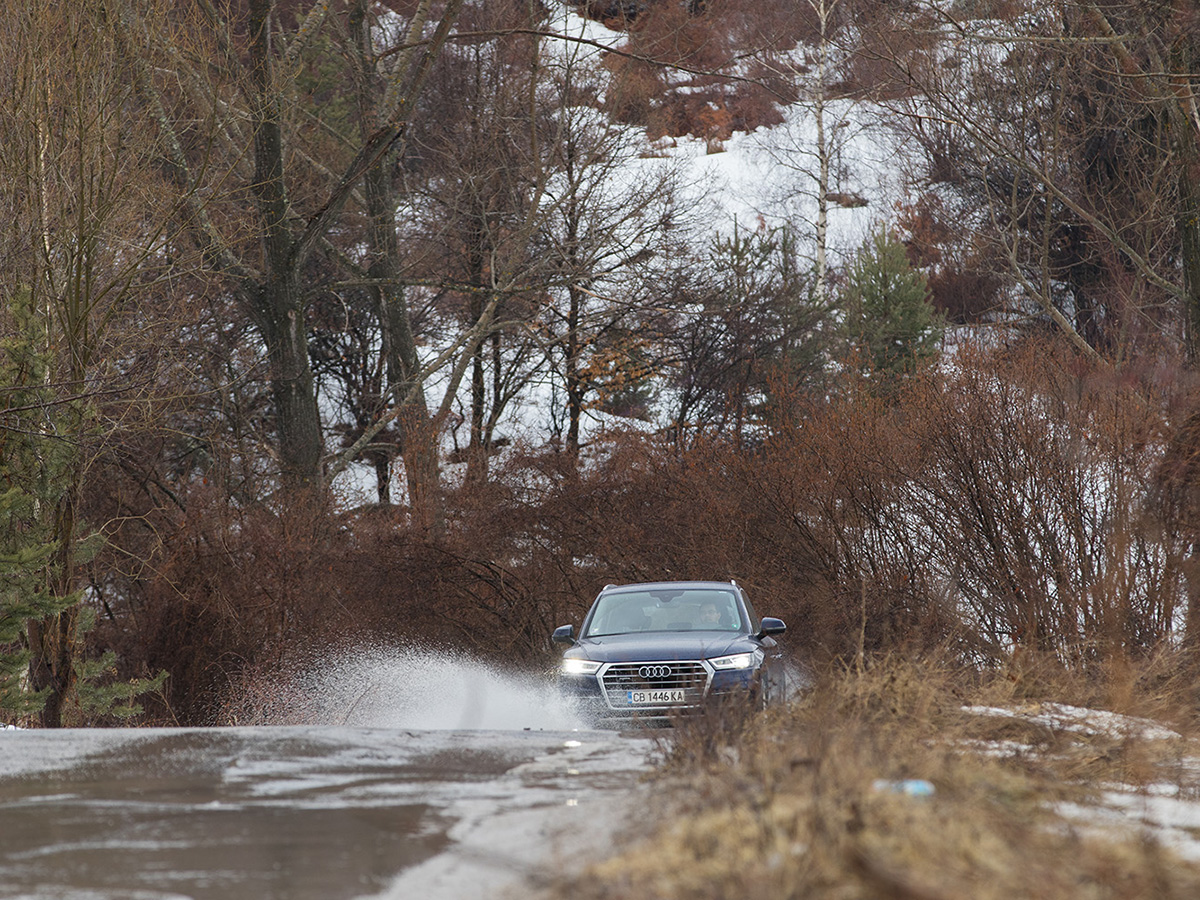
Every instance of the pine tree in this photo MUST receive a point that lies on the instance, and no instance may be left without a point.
(32, 461)
(36, 457)
(889, 319)
(23, 596)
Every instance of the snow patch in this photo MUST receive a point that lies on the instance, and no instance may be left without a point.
(1079, 720)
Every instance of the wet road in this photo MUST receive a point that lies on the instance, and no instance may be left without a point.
(303, 812)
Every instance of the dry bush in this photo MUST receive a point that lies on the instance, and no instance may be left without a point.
(229, 585)
(943, 242)
(965, 295)
(1030, 492)
(232, 590)
(1003, 507)
(810, 803)
(704, 40)
(873, 69)
(669, 32)
(631, 93)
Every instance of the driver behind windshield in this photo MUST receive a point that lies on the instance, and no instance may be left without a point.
(712, 616)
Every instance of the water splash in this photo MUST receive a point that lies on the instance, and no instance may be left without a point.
(403, 687)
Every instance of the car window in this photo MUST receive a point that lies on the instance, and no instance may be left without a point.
(716, 611)
(752, 625)
(678, 609)
(620, 614)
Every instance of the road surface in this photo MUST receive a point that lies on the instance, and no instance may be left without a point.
(377, 771)
(313, 811)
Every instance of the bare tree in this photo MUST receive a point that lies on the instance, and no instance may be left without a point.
(84, 250)
(278, 202)
(1072, 135)
(811, 149)
(749, 329)
(477, 179)
(532, 203)
(380, 83)
(612, 220)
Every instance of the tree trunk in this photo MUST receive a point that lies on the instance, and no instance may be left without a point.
(575, 385)
(1187, 135)
(1188, 223)
(418, 445)
(297, 420)
(52, 640)
(276, 304)
(418, 436)
(1191, 627)
(823, 158)
(476, 451)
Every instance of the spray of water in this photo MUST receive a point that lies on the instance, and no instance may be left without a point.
(404, 687)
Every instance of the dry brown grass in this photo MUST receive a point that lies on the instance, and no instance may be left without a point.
(798, 803)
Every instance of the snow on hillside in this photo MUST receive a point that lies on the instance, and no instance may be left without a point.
(1164, 811)
(756, 180)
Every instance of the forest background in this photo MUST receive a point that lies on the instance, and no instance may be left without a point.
(257, 251)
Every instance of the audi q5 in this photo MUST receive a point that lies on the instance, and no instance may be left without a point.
(651, 651)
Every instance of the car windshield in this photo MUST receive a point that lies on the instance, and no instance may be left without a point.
(678, 609)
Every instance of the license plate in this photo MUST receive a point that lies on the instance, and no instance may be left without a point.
(638, 698)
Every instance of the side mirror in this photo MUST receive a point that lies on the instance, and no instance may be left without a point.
(771, 625)
(563, 634)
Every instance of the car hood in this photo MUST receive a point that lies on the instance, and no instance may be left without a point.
(662, 645)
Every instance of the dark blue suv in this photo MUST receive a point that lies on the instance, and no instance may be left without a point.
(650, 651)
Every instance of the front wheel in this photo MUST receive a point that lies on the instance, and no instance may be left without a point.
(760, 692)
(771, 689)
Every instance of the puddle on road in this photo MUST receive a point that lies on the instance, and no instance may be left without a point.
(71, 846)
(296, 813)
(399, 687)
(400, 767)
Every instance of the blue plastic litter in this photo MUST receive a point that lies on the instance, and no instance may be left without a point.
(910, 787)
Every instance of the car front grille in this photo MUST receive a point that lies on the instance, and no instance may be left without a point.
(620, 678)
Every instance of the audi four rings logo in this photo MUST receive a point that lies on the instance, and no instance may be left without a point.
(654, 671)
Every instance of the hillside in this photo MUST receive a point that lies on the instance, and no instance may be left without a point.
(418, 323)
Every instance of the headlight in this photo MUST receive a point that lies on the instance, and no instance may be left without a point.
(737, 661)
(580, 667)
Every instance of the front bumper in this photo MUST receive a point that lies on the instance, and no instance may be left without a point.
(610, 693)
